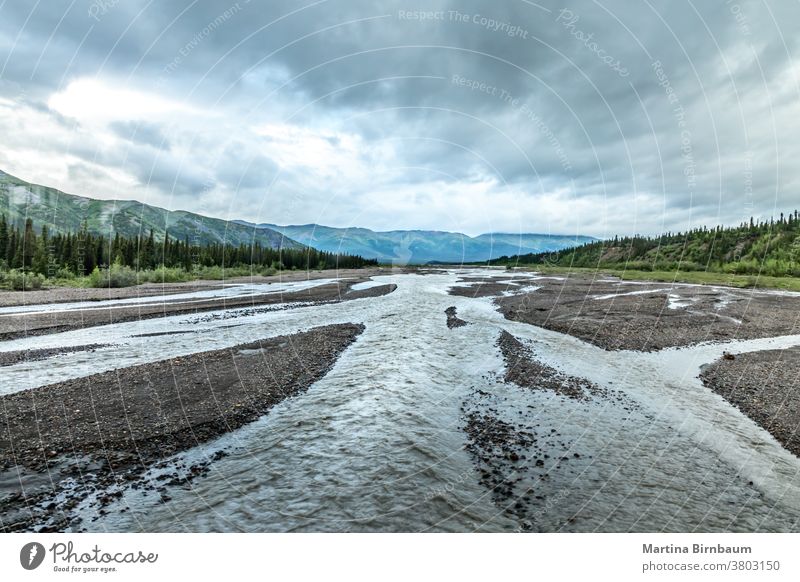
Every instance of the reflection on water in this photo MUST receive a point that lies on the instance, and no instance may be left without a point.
(378, 445)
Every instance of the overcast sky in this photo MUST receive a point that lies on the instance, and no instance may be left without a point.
(589, 117)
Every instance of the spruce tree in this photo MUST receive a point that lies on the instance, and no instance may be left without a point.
(3, 237)
(28, 245)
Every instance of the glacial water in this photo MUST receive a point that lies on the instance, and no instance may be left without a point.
(378, 443)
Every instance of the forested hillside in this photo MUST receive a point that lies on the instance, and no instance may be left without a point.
(65, 213)
(755, 248)
(31, 255)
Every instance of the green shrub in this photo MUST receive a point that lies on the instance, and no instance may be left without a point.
(218, 273)
(212, 273)
(115, 276)
(19, 281)
(164, 275)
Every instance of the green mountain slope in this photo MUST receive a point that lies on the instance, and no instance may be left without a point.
(63, 213)
(756, 248)
(421, 246)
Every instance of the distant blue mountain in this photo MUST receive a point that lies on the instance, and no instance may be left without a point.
(415, 247)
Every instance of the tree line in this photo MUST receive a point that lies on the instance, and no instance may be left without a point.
(766, 247)
(79, 253)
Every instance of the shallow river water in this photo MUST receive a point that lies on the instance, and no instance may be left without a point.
(378, 444)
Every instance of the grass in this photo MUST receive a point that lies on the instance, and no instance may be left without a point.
(697, 277)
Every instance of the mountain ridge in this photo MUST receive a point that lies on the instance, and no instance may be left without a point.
(64, 212)
(421, 246)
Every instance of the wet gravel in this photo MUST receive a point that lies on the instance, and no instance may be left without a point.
(453, 320)
(524, 370)
(515, 447)
(92, 433)
(618, 315)
(486, 288)
(75, 294)
(13, 327)
(497, 447)
(765, 386)
(20, 356)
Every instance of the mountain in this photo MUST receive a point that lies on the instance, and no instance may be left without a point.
(768, 247)
(63, 212)
(527, 243)
(66, 212)
(403, 247)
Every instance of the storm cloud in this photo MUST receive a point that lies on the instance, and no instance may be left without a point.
(591, 118)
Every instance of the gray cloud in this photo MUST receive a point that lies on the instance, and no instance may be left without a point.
(555, 110)
(141, 132)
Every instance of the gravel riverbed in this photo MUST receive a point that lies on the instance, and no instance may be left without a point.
(117, 424)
